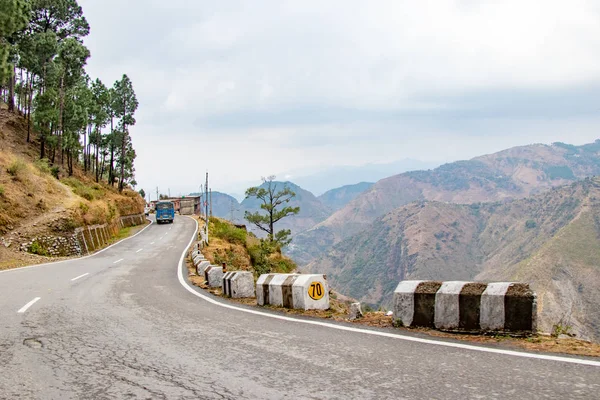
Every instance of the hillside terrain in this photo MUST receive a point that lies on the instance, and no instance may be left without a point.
(34, 203)
(510, 174)
(551, 240)
(337, 198)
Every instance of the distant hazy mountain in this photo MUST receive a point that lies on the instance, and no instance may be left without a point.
(339, 197)
(514, 173)
(549, 240)
(323, 180)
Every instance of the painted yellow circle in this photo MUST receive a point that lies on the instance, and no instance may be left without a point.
(316, 291)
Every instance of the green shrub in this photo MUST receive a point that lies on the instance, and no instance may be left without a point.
(54, 171)
(228, 232)
(37, 248)
(87, 192)
(530, 224)
(1, 191)
(43, 165)
(16, 167)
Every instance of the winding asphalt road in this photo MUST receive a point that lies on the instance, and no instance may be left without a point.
(124, 323)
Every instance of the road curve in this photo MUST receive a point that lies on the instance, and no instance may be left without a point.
(120, 324)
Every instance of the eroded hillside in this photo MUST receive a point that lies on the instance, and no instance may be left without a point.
(551, 240)
(510, 174)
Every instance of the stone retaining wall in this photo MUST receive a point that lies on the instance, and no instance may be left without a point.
(84, 240)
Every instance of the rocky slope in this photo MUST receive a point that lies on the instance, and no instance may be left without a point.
(551, 240)
(514, 173)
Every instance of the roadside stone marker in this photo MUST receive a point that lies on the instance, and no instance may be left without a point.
(300, 291)
(238, 284)
(214, 276)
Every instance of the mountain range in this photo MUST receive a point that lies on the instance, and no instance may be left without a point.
(510, 174)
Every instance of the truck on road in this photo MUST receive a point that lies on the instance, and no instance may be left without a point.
(165, 212)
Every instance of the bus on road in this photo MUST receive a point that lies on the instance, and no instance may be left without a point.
(165, 212)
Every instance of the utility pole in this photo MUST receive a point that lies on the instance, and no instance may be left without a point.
(157, 198)
(206, 206)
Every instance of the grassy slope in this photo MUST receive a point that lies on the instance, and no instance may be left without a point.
(33, 202)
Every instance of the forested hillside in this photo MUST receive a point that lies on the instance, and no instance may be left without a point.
(75, 117)
(66, 155)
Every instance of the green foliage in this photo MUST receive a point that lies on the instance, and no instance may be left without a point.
(38, 249)
(55, 171)
(142, 193)
(530, 224)
(559, 172)
(1, 191)
(273, 202)
(90, 193)
(17, 167)
(43, 166)
(561, 329)
(228, 232)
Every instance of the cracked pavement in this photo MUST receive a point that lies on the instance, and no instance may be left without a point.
(130, 330)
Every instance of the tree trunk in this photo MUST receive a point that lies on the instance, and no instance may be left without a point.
(11, 89)
(60, 119)
(97, 151)
(112, 153)
(123, 144)
(30, 102)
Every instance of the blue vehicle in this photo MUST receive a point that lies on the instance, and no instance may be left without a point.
(165, 212)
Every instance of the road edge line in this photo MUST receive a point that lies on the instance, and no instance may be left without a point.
(78, 258)
(371, 332)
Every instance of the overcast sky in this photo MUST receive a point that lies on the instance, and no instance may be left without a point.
(246, 89)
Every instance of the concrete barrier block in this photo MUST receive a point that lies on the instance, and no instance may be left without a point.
(270, 289)
(201, 267)
(280, 288)
(457, 305)
(238, 284)
(198, 259)
(310, 292)
(214, 276)
(195, 253)
(508, 306)
(414, 303)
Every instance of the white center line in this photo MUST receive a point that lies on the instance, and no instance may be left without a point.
(152, 243)
(26, 306)
(139, 250)
(80, 276)
(118, 261)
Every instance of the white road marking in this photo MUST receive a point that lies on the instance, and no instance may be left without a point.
(374, 333)
(80, 276)
(139, 250)
(75, 259)
(118, 261)
(152, 243)
(26, 306)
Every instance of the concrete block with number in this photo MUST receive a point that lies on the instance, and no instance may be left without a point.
(238, 284)
(300, 291)
(310, 292)
(214, 276)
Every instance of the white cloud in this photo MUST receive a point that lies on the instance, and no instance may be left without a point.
(274, 86)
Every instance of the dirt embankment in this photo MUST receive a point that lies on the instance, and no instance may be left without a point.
(39, 200)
